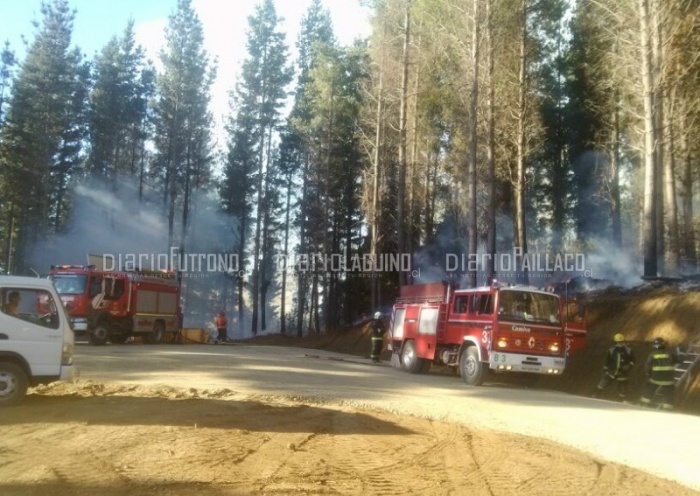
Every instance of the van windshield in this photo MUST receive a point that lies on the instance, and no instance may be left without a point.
(69, 283)
(526, 306)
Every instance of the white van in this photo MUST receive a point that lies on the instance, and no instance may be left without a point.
(36, 340)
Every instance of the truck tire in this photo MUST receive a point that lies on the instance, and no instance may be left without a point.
(471, 368)
(13, 384)
(100, 334)
(155, 337)
(409, 360)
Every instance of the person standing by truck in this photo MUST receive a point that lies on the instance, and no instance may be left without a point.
(221, 324)
(661, 383)
(618, 364)
(377, 337)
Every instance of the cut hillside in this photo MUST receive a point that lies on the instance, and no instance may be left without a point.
(641, 314)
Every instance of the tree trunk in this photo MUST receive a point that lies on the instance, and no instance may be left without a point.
(257, 241)
(649, 237)
(491, 151)
(520, 234)
(471, 168)
(400, 208)
(615, 214)
(374, 242)
(658, 116)
(301, 274)
(283, 304)
(412, 223)
(688, 228)
(670, 210)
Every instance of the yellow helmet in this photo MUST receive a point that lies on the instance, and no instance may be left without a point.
(619, 338)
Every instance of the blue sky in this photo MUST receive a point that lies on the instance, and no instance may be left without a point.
(225, 23)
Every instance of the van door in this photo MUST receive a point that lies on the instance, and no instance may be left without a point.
(31, 327)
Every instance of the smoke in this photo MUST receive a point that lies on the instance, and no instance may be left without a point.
(120, 223)
(607, 261)
(104, 222)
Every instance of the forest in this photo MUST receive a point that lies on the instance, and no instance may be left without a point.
(457, 128)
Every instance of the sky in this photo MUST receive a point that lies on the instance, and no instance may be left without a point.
(225, 23)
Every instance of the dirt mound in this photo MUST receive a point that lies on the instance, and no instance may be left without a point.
(667, 312)
(641, 314)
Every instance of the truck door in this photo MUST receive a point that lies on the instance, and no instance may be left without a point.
(30, 326)
(397, 324)
(427, 332)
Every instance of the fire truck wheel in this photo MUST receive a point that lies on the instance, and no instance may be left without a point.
(100, 334)
(13, 384)
(471, 369)
(409, 361)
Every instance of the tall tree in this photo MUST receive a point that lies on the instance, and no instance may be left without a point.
(183, 122)
(42, 134)
(118, 102)
(316, 31)
(265, 76)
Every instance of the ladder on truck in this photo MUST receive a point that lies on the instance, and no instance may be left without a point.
(690, 359)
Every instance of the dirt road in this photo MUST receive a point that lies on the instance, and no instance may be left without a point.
(241, 419)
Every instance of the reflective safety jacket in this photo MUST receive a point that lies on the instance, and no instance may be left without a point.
(619, 362)
(377, 330)
(220, 321)
(659, 368)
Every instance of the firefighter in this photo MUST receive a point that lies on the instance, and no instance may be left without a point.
(221, 323)
(618, 364)
(377, 337)
(660, 377)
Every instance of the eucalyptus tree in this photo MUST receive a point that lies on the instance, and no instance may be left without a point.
(42, 135)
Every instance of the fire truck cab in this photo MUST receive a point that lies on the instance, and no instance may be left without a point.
(488, 329)
(115, 305)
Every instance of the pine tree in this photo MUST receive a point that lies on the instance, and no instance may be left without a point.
(182, 121)
(265, 76)
(42, 134)
(119, 107)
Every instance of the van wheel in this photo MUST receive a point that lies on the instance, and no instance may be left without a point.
(157, 335)
(13, 384)
(409, 360)
(471, 369)
(99, 334)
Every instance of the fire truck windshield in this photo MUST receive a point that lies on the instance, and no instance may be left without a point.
(528, 306)
(69, 284)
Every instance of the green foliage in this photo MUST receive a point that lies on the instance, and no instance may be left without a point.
(119, 117)
(182, 118)
(42, 134)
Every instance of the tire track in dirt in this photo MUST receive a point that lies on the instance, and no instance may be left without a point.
(149, 442)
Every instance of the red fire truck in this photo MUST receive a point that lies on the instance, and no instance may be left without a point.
(493, 328)
(114, 305)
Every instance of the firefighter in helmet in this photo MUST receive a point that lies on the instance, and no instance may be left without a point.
(660, 377)
(377, 336)
(618, 364)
